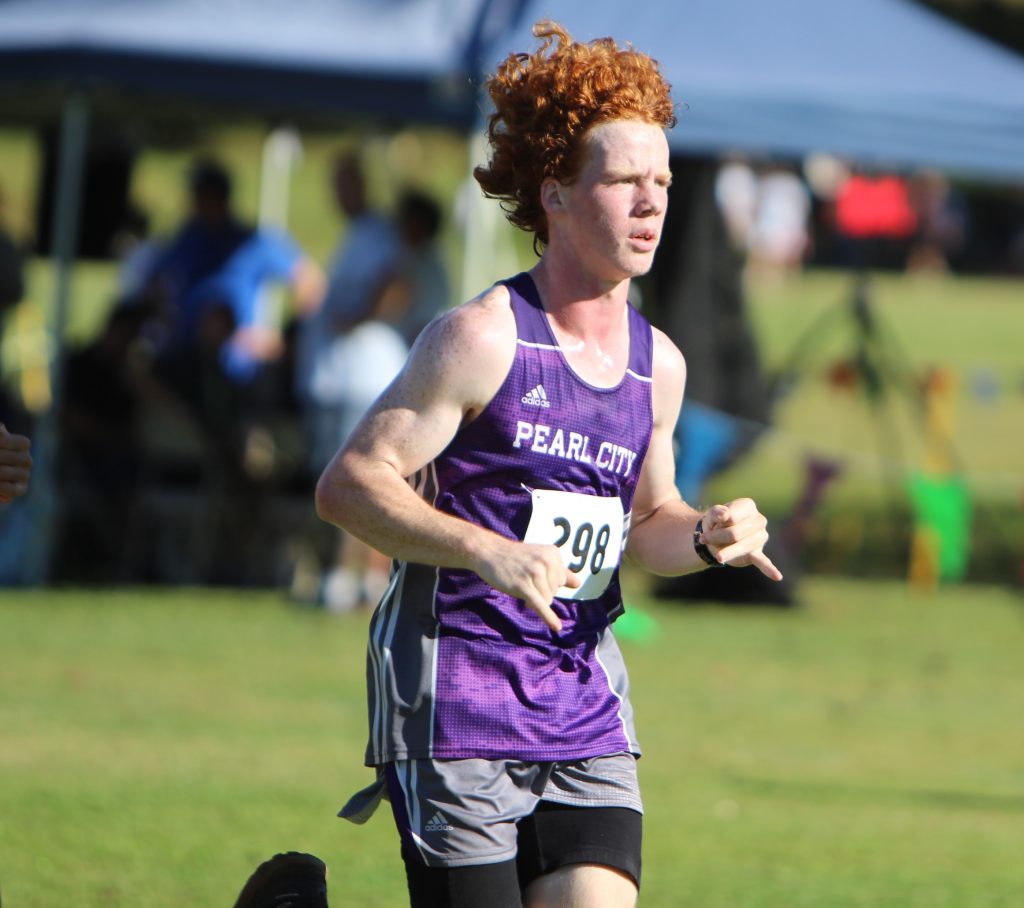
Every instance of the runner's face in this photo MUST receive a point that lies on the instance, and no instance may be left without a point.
(615, 209)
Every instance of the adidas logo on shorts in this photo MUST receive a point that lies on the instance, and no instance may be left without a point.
(438, 823)
(537, 397)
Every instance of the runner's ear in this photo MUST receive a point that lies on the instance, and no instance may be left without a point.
(551, 195)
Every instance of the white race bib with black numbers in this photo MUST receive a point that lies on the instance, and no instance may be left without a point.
(588, 529)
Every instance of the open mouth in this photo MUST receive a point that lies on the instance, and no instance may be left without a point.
(645, 236)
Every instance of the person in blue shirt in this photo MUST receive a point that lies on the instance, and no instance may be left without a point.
(265, 258)
(208, 238)
(216, 259)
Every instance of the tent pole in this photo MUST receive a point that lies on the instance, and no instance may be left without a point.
(489, 253)
(282, 152)
(74, 127)
(478, 240)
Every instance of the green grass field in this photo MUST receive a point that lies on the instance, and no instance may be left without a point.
(860, 751)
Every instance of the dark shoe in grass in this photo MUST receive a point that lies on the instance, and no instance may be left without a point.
(289, 880)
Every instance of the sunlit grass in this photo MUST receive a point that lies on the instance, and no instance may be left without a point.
(860, 750)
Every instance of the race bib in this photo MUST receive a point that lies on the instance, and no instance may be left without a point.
(589, 531)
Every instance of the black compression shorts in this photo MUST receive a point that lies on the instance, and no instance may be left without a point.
(553, 836)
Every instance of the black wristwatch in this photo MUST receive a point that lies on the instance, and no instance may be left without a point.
(701, 549)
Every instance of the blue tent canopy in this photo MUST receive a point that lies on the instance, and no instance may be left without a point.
(404, 59)
(879, 81)
(884, 82)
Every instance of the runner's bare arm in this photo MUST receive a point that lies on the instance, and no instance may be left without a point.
(661, 519)
(661, 538)
(454, 369)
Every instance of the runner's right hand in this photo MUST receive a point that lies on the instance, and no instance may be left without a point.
(533, 573)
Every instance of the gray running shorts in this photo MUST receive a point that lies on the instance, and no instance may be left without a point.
(457, 813)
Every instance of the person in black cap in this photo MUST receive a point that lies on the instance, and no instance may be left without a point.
(291, 879)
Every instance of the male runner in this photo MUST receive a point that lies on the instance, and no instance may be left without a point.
(523, 451)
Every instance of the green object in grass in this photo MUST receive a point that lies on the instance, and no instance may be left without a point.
(942, 506)
(636, 626)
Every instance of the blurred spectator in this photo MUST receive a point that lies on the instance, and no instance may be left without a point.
(941, 215)
(869, 206)
(736, 196)
(419, 288)
(15, 465)
(212, 395)
(825, 174)
(346, 356)
(264, 257)
(197, 425)
(364, 261)
(766, 214)
(875, 219)
(921, 221)
(16, 535)
(12, 289)
(12, 280)
(779, 233)
(196, 376)
(15, 529)
(201, 246)
(138, 254)
(100, 457)
(215, 259)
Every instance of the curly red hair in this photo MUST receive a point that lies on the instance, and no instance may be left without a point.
(544, 105)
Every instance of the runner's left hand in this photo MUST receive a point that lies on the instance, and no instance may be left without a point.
(736, 534)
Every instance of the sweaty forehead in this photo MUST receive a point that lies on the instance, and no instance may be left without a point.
(629, 144)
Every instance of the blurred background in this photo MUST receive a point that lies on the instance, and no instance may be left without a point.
(841, 267)
(221, 227)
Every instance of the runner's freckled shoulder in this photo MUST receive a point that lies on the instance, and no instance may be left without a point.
(470, 349)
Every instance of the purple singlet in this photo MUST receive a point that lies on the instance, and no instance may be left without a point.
(457, 669)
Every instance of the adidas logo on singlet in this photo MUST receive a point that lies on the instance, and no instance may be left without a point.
(438, 823)
(537, 397)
